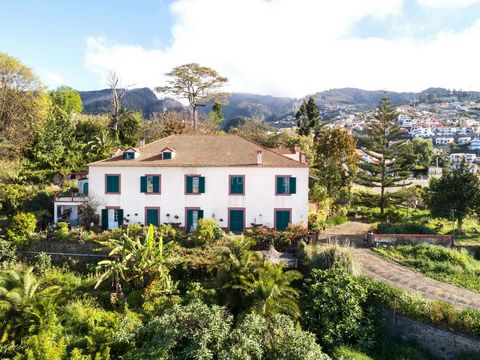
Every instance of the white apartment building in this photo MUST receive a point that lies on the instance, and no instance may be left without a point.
(442, 141)
(422, 132)
(470, 159)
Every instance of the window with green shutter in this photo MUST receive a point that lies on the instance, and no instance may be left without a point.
(285, 185)
(112, 185)
(237, 185)
(167, 155)
(105, 219)
(236, 220)
(152, 216)
(194, 184)
(193, 215)
(150, 184)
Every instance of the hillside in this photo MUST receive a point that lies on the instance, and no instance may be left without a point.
(143, 99)
(271, 109)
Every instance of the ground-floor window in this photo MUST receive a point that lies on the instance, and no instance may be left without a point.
(192, 217)
(236, 220)
(283, 217)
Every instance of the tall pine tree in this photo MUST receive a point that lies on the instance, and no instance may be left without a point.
(308, 118)
(381, 167)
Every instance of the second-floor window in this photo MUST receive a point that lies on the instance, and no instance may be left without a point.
(285, 185)
(150, 184)
(237, 185)
(112, 184)
(194, 184)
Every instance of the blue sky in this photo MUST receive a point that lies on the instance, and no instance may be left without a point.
(279, 47)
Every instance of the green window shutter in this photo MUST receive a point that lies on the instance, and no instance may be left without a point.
(156, 184)
(143, 184)
(236, 185)
(120, 217)
(105, 219)
(202, 184)
(236, 221)
(189, 220)
(293, 185)
(280, 187)
(200, 214)
(152, 217)
(85, 188)
(189, 184)
(113, 183)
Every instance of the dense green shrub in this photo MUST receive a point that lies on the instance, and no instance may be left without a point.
(192, 331)
(62, 233)
(22, 228)
(348, 353)
(43, 262)
(383, 295)
(271, 338)
(208, 231)
(8, 254)
(90, 327)
(327, 256)
(335, 309)
(264, 237)
(405, 228)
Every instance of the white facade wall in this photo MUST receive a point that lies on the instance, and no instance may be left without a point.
(259, 200)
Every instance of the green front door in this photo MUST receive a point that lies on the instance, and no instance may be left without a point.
(282, 219)
(237, 220)
(152, 217)
(193, 215)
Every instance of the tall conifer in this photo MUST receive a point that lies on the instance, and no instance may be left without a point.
(381, 167)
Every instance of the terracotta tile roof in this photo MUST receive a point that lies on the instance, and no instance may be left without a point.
(202, 151)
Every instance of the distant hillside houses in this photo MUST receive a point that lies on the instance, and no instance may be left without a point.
(471, 160)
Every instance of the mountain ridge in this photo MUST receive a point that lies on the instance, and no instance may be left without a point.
(271, 109)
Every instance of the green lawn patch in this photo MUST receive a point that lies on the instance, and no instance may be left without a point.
(454, 266)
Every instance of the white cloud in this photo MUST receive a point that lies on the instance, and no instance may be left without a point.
(446, 3)
(51, 78)
(292, 48)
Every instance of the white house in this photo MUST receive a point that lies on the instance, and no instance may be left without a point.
(444, 140)
(474, 144)
(182, 178)
(67, 205)
(470, 160)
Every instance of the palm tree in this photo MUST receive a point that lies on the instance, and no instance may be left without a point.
(238, 262)
(101, 145)
(135, 261)
(23, 301)
(270, 292)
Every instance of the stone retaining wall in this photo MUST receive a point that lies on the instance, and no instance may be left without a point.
(441, 343)
(394, 239)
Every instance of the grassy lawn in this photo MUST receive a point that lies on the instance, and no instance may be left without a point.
(449, 265)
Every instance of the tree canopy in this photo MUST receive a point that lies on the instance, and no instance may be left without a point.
(380, 167)
(198, 84)
(455, 195)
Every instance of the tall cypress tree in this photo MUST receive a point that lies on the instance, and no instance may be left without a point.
(382, 168)
(308, 118)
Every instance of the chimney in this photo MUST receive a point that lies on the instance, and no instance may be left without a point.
(259, 157)
(142, 142)
(303, 157)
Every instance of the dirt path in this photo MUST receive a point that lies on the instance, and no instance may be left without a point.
(397, 275)
(376, 267)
